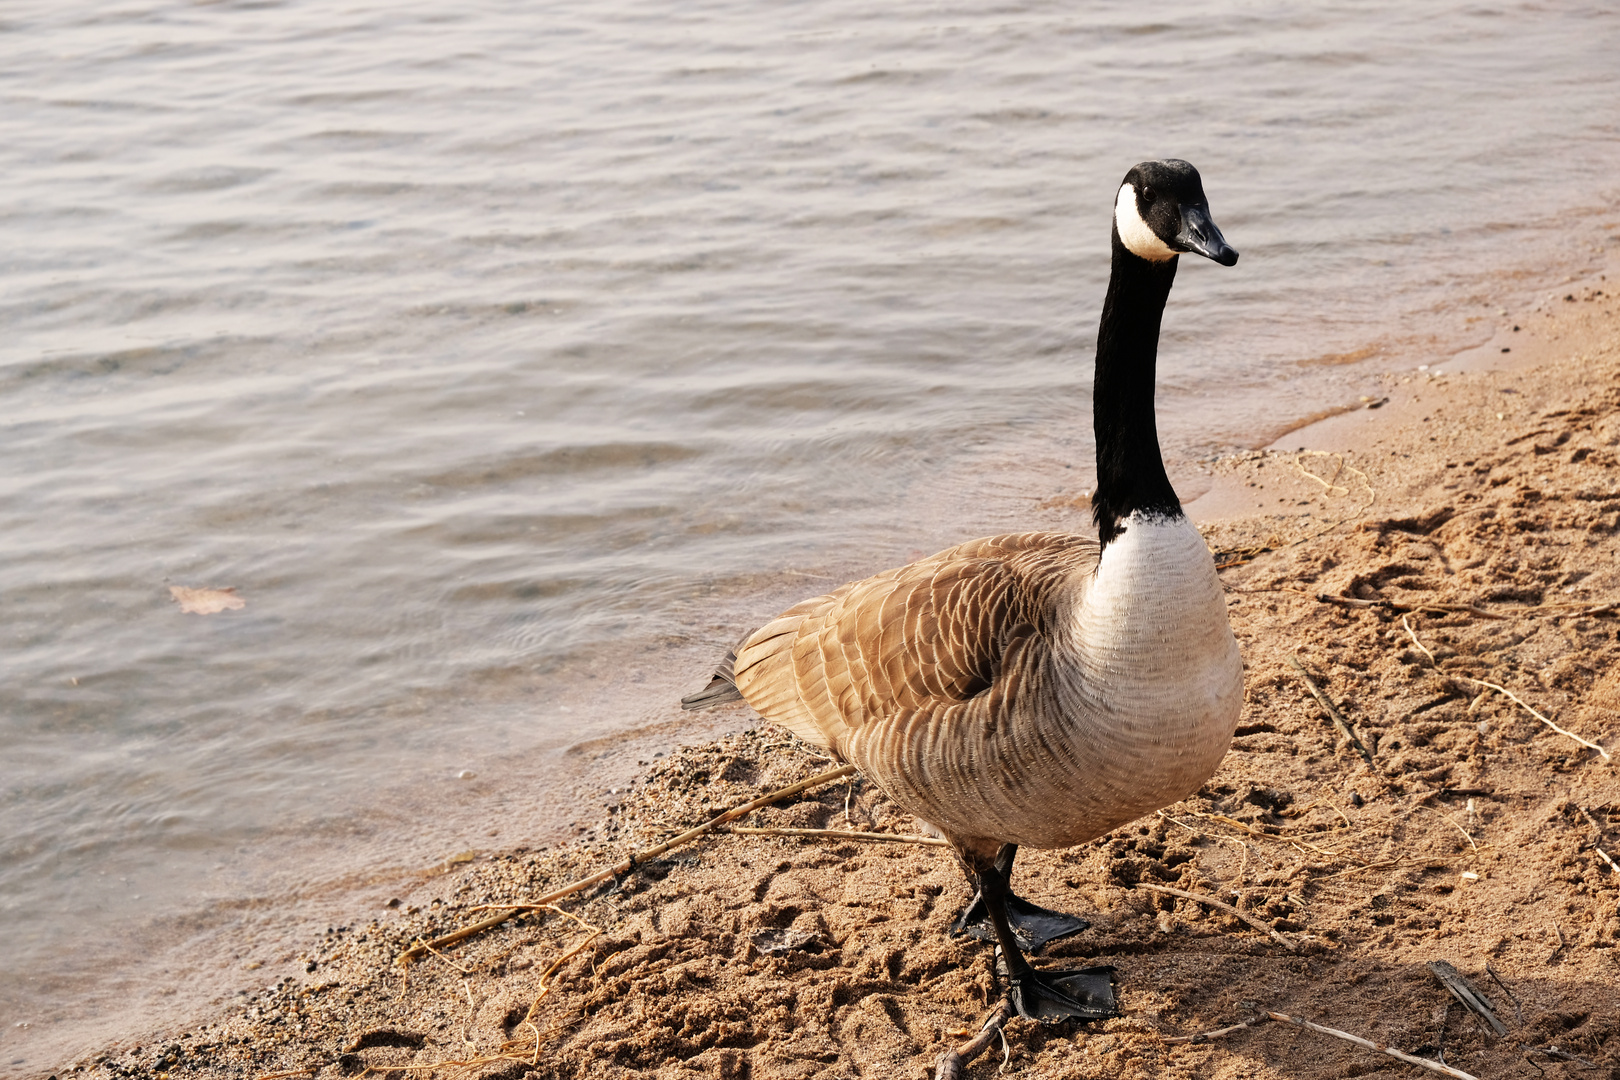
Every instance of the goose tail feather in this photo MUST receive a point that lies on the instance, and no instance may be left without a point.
(721, 689)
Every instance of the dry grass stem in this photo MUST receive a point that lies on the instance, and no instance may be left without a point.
(1568, 734)
(1205, 1036)
(1291, 841)
(1422, 647)
(545, 987)
(623, 867)
(1453, 823)
(1410, 1059)
(435, 952)
(1329, 487)
(1228, 908)
(1243, 865)
(1597, 845)
(529, 1046)
(1395, 605)
(1496, 978)
(1510, 694)
(842, 834)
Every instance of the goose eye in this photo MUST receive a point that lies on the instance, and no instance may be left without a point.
(1148, 194)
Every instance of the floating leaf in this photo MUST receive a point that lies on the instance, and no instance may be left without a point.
(206, 601)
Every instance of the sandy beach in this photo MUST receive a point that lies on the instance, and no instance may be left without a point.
(1441, 564)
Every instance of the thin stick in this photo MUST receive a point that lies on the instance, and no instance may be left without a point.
(623, 867)
(952, 1064)
(841, 834)
(509, 1049)
(1228, 908)
(1368, 1044)
(1497, 979)
(1395, 605)
(1538, 716)
(1554, 609)
(1454, 825)
(1560, 1055)
(1413, 635)
(1338, 720)
(1597, 844)
(1205, 1036)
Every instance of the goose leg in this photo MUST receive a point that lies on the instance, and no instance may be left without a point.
(1050, 996)
(1033, 926)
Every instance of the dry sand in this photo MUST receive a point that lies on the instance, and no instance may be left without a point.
(1472, 523)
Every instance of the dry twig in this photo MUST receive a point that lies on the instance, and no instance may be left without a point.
(1228, 908)
(1243, 864)
(621, 868)
(1452, 822)
(1560, 1055)
(952, 1064)
(1333, 713)
(1466, 993)
(1368, 1044)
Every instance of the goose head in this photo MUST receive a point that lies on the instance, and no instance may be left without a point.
(1161, 212)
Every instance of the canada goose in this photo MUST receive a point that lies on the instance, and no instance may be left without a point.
(1036, 689)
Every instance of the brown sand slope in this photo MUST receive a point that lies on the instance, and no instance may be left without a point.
(1475, 548)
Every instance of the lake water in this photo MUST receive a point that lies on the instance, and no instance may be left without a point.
(511, 359)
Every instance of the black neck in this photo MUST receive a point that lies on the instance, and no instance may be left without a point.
(1130, 470)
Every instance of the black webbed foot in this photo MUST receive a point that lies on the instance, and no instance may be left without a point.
(1044, 996)
(1051, 997)
(1033, 926)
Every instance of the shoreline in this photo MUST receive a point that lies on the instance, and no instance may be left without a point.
(1237, 517)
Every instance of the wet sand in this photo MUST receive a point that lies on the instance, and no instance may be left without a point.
(1465, 531)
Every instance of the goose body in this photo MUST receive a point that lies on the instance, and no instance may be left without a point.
(1026, 689)
(1035, 689)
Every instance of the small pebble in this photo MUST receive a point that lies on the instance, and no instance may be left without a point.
(465, 774)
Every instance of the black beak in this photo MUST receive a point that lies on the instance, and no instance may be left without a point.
(1199, 234)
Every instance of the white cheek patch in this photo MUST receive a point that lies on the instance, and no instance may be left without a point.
(1138, 238)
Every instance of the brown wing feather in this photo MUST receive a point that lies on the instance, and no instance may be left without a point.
(915, 644)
